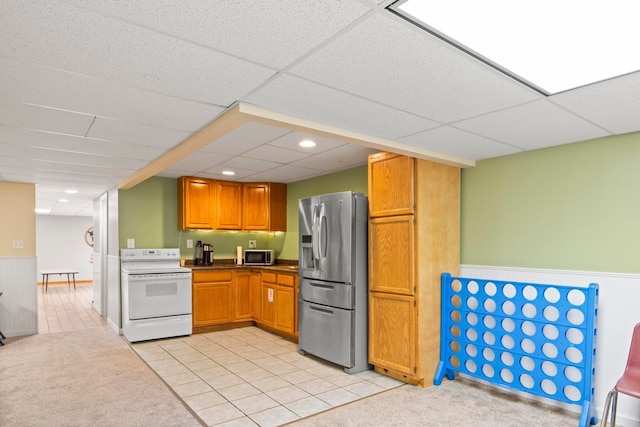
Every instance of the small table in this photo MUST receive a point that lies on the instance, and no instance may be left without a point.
(70, 274)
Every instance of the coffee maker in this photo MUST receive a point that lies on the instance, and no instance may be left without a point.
(207, 254)
(203, 254)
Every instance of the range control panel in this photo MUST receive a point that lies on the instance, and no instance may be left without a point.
(149, 254)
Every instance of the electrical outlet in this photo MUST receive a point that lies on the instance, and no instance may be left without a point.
(18, 244)
(131, 243)
(252, 244)
(189, 244)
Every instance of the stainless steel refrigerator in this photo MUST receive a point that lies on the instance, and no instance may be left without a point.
(333, 279)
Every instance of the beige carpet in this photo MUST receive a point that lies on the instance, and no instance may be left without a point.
(459, 403)
(92, 377)
(88, 377)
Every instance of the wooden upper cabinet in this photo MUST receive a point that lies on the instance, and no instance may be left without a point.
(264, 206)
(229, 205)
(207, 204)
(391, 185)
(196, 198)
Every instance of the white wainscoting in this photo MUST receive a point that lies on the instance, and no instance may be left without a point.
(19, 301)
(113, 293)
(618, 313)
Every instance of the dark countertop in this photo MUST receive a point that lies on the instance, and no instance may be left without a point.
(284, 268)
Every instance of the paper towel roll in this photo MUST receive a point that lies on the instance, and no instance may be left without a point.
(239, 255)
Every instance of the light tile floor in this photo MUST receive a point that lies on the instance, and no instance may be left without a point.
(249, 377)
(240, 377)
(63, 308)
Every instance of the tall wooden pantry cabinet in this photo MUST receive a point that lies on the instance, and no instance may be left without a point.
(414, 237)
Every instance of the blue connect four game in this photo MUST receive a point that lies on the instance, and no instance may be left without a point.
(530, 337)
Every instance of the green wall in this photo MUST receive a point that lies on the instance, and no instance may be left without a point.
(148, 213)
(574, 207)
(349, 180)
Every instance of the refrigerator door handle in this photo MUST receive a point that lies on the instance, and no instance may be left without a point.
(322, 232)
(314, 237)
(321, 310)
(321, 285)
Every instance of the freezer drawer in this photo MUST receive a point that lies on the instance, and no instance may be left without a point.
(338, 295)
(326, 332)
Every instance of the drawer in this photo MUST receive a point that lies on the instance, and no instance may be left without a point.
(285, 279)
(212, 276)
(268, 277)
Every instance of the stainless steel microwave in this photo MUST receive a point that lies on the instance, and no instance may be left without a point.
(258, 257)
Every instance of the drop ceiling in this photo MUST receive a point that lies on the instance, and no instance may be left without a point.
(99, 95)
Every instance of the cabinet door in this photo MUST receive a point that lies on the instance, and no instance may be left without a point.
(196, 198)
(267, 304)
(229, 206)
(285, 303)
(255, 212)
(212, 303)
(268, 298)
(255, 295)
(391, 185)
(264, 206)
(242, 286)
(392, 255)
(392, 332)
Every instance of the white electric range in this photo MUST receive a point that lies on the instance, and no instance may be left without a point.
(156, 294)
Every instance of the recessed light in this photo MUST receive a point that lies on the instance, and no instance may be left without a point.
(228, 173)
(71, 191)
(307, 143)
(43, 211)
(63, 200)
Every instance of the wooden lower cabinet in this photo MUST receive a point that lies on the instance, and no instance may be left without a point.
(255, 295)
(212, 297)
(242, 289)
(227, 297)
(285, 304)
(414, 237)
(268, 299)
(392, 333)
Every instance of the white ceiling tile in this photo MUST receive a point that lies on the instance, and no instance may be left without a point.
(244, 138)
(89, 43)
(46, 119)
(532, 126)
(613, 104)
(343, 157)
(285, 174)
(58, 159)
(456, 142)
(270, 33)
(136, 133)
(77, 144)
(291, 140)
(393, 62)
(31, 84)
(216, 173)
(250, 164)
(301, 98)
(199, 162)
(275, 154)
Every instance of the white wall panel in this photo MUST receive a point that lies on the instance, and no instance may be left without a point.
(618, 313)
(19, 300)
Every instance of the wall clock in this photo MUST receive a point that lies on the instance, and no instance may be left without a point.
(88, 236)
